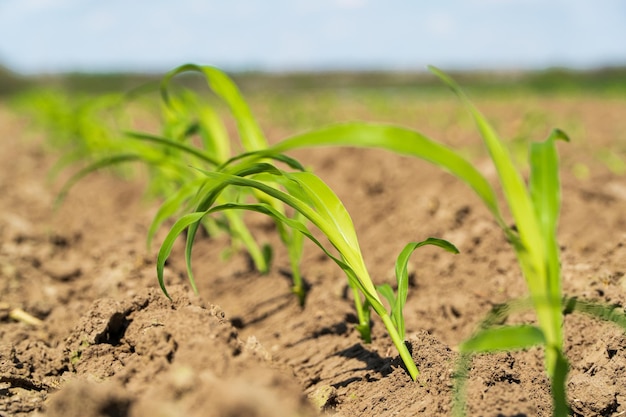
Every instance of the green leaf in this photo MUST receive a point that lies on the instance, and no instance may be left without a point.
(402, 277)
(387, 292)
(251, 136)
(213, 133)
(260, 257)
(400, 140)
(294, 223)
(504, 338)
(535, 251)
(99, 164)
(210, 193)
(332, 220)
(545, 190)
(312, 190)
(512, 182)
(316, 202)
(611, 313)
(174, 144)
(172, 205)
(544, 180)
(168, 243)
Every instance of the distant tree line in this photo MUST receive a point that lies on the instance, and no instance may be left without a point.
(11, 82)
(610, 79)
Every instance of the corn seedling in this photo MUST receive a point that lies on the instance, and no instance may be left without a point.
(535, 209)
(82, 128)
(397, 301)
(193, 134)
(252, 181)
(316, 203)
(251, 139)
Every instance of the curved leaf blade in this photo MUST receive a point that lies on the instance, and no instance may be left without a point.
(174, 144)
(99, 164)
(402, 277)
(168, 244)
(504, 338)
(251, 136)
(399, 140)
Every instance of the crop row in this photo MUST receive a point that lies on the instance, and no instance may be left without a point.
(204, 182)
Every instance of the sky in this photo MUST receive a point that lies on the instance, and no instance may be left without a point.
(48, 36)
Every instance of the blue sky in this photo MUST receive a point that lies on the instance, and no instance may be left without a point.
(156, 35)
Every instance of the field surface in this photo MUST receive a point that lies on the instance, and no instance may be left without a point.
(111, 344)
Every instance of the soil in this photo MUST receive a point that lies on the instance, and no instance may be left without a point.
(111, 344)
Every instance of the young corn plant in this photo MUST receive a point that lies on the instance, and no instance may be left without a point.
(83, 128)
(397, 300)
(535, 209)
(193, 134)
(316, 203)
(186, 119)
(251, 140)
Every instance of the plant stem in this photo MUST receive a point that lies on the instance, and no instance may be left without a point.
(240, 230)
(298, 287)
(405, 355)
(363, 316)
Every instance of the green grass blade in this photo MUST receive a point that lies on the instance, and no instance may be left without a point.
(198, 153)
(324, 209)
(337, 224)
(172, 205)
(459, 390)
(337, 233)
(242, 233)
(531, 249)
(168, 243)
(355, 281)
(209, 194)
(212, 191)
(504, 338)
(387, 292)
(311, 189)
(513, 185)
(297, 225)
(294, 242)
(97, 165)
(611, 313)
(214, 134)
(251, 136)
(402, 277)
(545, 190)
(544, 180)
(400, 140)
(186, 115)
(330, 220)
